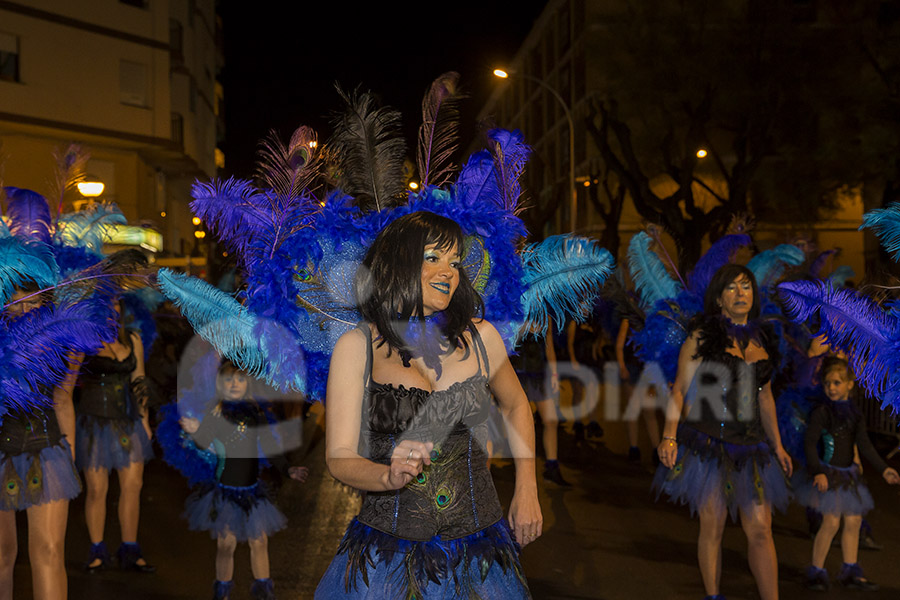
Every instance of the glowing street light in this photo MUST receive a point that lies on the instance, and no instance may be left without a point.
(413, 185)
(701, 153)
(195, 220)
(200, 234)
(91, 187)
(573, 195)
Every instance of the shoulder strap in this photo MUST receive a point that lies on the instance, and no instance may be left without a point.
(480, 350)
(367, 330)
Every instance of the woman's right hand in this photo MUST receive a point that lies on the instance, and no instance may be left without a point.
(407, 461)
(668, 452)
(189, 425)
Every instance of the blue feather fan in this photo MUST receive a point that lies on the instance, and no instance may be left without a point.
(562, 275)
(651, 279)
(855, 325)
(29, 214)
(22, 261)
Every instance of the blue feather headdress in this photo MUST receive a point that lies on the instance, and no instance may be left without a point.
(769, 265)
(298, 255)
(651, 279)
(885, 222)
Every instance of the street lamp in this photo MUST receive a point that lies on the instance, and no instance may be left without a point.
(573, 197)
(90, 187)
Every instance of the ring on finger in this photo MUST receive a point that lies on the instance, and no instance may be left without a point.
(409, 456)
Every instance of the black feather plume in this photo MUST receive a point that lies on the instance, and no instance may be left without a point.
(439, 132)
(369, 149)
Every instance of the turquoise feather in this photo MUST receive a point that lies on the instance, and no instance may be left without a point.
(89, 228)
(257, 346)
(651, 279)
(22, 261)
(840, 275)
(769, 265)
(885, 222)
(562, 274)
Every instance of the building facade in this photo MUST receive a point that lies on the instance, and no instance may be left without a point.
(135, 83)
(570, 50)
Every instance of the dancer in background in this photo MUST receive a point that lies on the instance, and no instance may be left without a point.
(114, 434)
(629, 372)
(727, 456)
(836, 487)
(236, 506)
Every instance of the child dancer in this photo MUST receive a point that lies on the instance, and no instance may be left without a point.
(837, 487)
(236, 507)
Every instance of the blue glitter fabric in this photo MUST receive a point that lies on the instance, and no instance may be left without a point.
(34, 479)
(847, 493)
(374, 565)
(246, 512)
(110, 444)
(739, 476)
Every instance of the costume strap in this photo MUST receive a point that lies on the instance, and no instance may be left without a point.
(481, 351)
(367, 330)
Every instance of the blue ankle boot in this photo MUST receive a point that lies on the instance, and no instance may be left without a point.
(817, 579)
(98, 551)
(263, 589)
(222, 589)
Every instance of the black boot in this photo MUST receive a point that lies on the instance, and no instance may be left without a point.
(129, 554)
(98, 551)
(263, 589)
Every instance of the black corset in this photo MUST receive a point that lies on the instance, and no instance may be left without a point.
(29, 432)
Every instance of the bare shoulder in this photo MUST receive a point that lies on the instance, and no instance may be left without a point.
(352, 343)
(487, 331)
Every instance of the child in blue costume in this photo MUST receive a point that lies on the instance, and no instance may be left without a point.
(727, 456)
(236, 507)
(407, 403)
(836, 487)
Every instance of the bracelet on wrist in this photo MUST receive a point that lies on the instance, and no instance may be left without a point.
(670, 438)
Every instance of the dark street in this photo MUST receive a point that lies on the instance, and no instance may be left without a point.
(604, 538)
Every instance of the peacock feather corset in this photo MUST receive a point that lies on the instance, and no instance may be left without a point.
(29, 432)
(454, 496)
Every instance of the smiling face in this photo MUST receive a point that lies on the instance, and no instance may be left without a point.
(837, 385)
(736, 299)
(440, 277)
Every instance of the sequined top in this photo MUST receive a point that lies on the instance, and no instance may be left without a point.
(848, 428)
(455, 496)
(104, 388)
(724, 396)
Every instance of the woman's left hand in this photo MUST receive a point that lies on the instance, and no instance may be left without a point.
(784, 459)
(525, 517)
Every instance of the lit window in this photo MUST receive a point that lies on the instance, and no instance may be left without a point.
(133, 83)
(9, 57)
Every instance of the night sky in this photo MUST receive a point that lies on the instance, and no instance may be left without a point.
(281, 63)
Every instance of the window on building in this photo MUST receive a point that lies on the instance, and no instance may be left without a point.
(549, 49)
(133, 83)
(565, 82)
(135, 3)
(9, 57)
(177, 128)
(551, 104)
(176, 42)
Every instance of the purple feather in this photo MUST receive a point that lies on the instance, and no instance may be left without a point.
(494, 176)
(718, 255)
(29, 214)
(853, 324)
(815, 269)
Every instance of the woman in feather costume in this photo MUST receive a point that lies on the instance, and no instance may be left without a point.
(407, 401)
(114, 433)
(727, 456)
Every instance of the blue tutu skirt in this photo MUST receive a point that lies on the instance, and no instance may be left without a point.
(32, 479)
(847, 493)
(110, 444)
(374, 565)
(246, 512)
(737, 475)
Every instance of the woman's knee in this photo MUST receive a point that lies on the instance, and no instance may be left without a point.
(831, 524)
(96, 486)
(226, 543)
(260, 543)
(131, 480)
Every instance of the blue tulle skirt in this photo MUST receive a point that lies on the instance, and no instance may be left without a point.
(847, 493)
(110, 444)
(34, 479)
(737, 475)
(246, 512)
(374, 565)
